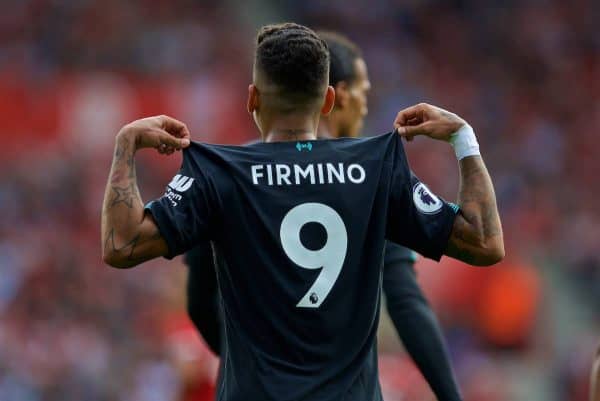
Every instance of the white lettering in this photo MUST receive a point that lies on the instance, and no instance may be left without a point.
(283, 174)
(255, 173)
(294, 174)
(321, 176)
(339, 174)
(361, 172)
(269, 174)
(308, 171)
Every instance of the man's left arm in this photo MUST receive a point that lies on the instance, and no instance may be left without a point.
(130, 236)
(416, 323)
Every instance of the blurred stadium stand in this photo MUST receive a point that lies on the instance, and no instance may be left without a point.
(525, 74)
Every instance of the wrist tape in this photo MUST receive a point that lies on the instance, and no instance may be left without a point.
(464, 142)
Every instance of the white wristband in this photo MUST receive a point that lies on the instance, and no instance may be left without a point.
(464, 142)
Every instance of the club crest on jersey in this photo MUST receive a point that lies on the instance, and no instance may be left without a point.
(301, 146)
(425, 200)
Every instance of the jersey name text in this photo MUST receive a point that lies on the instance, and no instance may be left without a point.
(319, 173)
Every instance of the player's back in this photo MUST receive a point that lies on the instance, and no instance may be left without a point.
(299, 228)
(301, 297)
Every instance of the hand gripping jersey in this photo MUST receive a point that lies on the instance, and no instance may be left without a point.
(299, 229)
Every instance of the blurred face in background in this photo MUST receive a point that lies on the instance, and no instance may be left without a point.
(351, 101)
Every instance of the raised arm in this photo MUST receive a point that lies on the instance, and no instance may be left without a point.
(129, 235)
(477, 233)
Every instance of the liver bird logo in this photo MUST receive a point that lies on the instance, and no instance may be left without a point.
(301, 146)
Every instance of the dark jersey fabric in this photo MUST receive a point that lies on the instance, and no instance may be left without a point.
(203, 297)
(203, 300)
(294, 330)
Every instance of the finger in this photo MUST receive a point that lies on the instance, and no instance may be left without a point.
(414, 121)
(413, 114)
(171, 141)
(410, 131)
(174, 127)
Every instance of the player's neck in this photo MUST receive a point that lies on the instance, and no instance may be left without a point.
(286, 135)
(291, 129)
(326, 129)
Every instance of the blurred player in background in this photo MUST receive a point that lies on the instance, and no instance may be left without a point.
(595, 378)
(300, 224)
(412, 316)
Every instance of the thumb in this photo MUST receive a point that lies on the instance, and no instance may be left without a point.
(410, 131)
(407, 131)
(170, 140)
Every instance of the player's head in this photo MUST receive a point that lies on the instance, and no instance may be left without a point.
(291, 74)
(348, 75)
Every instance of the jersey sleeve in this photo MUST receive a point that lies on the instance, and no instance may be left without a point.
(417, 218)
(185, 213)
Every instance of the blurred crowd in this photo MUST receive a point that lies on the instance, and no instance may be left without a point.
(525, 74)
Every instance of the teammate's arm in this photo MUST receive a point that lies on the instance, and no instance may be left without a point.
(477, 232)
(595, 378)
(203, 294)
(129, 235)
(418, 326)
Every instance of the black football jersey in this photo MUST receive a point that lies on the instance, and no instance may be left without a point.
(299, 229)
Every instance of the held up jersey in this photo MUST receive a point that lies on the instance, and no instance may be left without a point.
(299, 229)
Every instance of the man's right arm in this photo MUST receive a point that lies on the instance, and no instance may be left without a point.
(476, 236)
(130, 236)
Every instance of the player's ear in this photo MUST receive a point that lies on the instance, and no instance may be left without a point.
(342, 94)
(329, 101)
(252, 104)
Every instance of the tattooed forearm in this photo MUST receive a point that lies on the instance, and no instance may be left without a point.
(127, 196)
(129, 237)
(130, 250)
(477, 233)
(123, 165)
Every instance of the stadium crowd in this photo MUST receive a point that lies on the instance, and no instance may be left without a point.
(525, 74)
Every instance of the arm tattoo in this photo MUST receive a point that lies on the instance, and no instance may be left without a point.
(123, 153)
(456, 246)
(129, 248)
(128, 238)
(125, 195)
(478, 220)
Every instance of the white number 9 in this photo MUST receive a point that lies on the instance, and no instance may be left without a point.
(330, 257)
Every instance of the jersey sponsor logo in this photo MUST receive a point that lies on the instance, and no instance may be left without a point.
(172, 196)
(181, 183)
(425, 200)
(301, 146)
(319, 173)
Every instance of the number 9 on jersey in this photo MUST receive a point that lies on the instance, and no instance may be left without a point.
(330, 257)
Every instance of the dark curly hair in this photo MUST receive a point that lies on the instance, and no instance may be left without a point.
(342, 53)
(293, 58)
